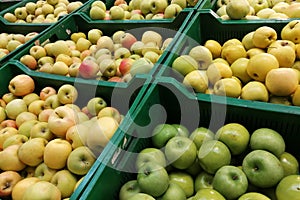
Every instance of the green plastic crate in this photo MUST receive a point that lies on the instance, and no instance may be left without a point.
(205, 26)
(123, 97)
(77, 23)
(4, 4)
(11, 9)
(167, 101)
(86, 9)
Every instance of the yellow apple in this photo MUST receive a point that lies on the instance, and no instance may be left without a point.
(255, 91)
(197, 79)
(227, 87)
(217, 71)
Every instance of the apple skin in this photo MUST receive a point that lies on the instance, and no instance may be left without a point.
(127, 40)
(161, 134)
(288, 188)
(129, 189)
(21, 186)
(289, 163)
(235, 136)
(67, 94)
(184, 180)
(253, 195)
(181, 152)
(262, 168)
(140, 196)
(5, 133)
(10, 160)
(267, 139)
(80, 160)
(95, 104)
(46, 92)
(153, 179)
(43, 172)
(150, 154)
(174, 191)
(203, 180)
(208, 193)
(212, 155)
(65, 181)
(42, 190)
(15, 107)
(230, 181)
(184, 64)
(88, 69)
(8, 179)
(200, 135)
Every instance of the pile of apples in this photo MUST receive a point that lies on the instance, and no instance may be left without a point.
(228, 164)
(42, 11)
(48, 143)
(139, 9)
(10, 41)
(257, 9)
(259, 67)
(93, 55)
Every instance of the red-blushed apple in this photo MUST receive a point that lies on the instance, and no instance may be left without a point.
(65, 181)
(80, 160)
(125, 65)
(43, 172)
(5, 133)
(110, 112)
(67, 94)
(86, 111)
(25, 116)
(61, 119)
(21, 186)
(31, 152)
(44, 115)
(127, 39)
(8, 123)
(100, 132)
(115, 79)
(56, 147)
(8, 180)
(88, 68)
(9, 159)
(41, 190)
(15, 107)
(46, 92)
(29, 61)
(36, 107)
(21, 85)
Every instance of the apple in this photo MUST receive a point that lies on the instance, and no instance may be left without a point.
(279, 49)
(88, 69)
(95, 104)
(105, 42)
(208, 193)
(200, 135)
(182, 130)
(25, 127)
(150, 154)
(197, 79)
(262, 168)
(74, 69)
(255, 91)
(264, 36)
(97, 13)
(83, 44)
(43, 172)
(174, 191)
(10, 160)
(153, 179)
(65, 181)
(140, 196)
(29, 61)
(239, 69)
(217, 71)
(7, 97)
(290, 31)
(41, 130)
(46, 92)
(129, 189)
(60, 68)
(15, 139)
(184, 180)
(230, 181)
(141, 66)
(203, 180)
(10, 17)
(80, 160)
(31, 152)
(172, 10)
(77, 135)
(110, 112)
(5, 133)
(116, 13)
(25, 116)
(8, 123)
(93, 35)
(181, 152)
(41, 190)
(127, 40)
(267, 139)
(21, 84)
(212, 155)
(162, 133)
(56, 147)
(288, 187)
(44, 115)
(100, 133)
(8, 179)
(289, 163)
(21, 186)
(108, 67)
(202, 55)
(29, 98)
(121, 52)
(37, 52)
(235, 136)
(36, 107)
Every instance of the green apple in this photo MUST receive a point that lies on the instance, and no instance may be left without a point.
(25, 128)
(203, 180)
(267, 139)
(153, 179)
(129, 189)
(174, 191)
(141, 196)
(235, 136)
(289, 163)
(208, 193)
(288, 188)
(80, 160)
(65, 181)
(43, 172)
(184, 64)
(200, 135)
(194, 169)
(150, 154)
(230, 181)
(162, 133)
(41, 130)
(181, 152)
(184, 180)
(263, 169)
(95, 104)
(41, 190)
(182, 130)
(212, 155)
(254, 196)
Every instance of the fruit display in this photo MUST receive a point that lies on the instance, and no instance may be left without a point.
(256, 9)
(259, 64)
(41, 11)
(231, 163)
(136, 9)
